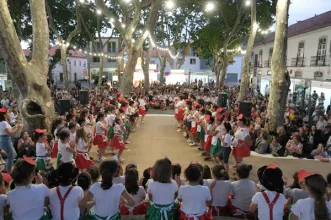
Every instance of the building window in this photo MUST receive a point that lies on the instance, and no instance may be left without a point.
(298, 74)
(193, 61)
(301, 50)
(111, 60)
(321, 50)
(318, 74)
(232, 77)
(97, 47)
(75, 63)
(80, 63)
(260, 58)
(113, 47)
(271, 50)
(96, 59)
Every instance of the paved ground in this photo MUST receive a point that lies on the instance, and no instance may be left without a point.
(157, 138)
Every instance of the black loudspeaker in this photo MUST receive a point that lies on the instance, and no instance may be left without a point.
(64, 106)
(83, 97)
(245, 108)
(222, 100)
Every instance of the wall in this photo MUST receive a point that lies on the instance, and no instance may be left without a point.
(310, 50)
(81, 64)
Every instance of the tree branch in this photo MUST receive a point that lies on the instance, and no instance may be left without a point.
(88, 32)
(40, 35)
(50, 19)
(78, 27)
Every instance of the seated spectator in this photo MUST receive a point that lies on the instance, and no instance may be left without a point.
(282, 136)
(318, 153)
(312, 135)
(294, 192)
(261, 144)
(321, 123)
(25, 146)
(275, 148)
(243, 191)
(294, 147)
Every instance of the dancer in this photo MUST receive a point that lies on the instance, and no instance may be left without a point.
(82, 160)
(43, 151)
(100, 139)
(241, 140)
(142, 107)
(67, 151)
(118, 142)
(226, 144)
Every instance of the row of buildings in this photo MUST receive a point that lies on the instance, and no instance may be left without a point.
(308, 57)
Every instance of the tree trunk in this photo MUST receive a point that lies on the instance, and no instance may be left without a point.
(145, 66)
(244, 84)
(34, 102)
(63, 49)
(163, 62)
(223, 71)
(280, 77)
(127, 79)
(100, 71)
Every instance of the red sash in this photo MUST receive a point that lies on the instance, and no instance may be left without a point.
(62, 200)
(271, 205)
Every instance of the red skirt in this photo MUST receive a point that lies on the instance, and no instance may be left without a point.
(82, 161)
(205, 216)
(180, 114)
(117, 144)
(194, 130)
(244, 151)
(207, 144)
(142, 111)
(238, 213)
(100, 141)
(55, 149)
(219, 211)
(139, 210)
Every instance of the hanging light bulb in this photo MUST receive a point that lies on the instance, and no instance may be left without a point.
(210, 6)
(98, 11)
(81, 1)
(170, 4)
(123, 25)
(248, 3)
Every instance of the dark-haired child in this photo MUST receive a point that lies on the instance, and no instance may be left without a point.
(270, 203)
(314, 207)
(94, 172)
(110, 122)
(66, 150)
(64, 198)
(107, 195)
(226, 144)
(27, 200)
(221, 190)
(176, 172)
(118, 141)
(137, 192)
(84, 181)
(43, 151)
(58, 123)
(162, 192)
(194, 197)
(208, 126)
(242, 192)
(100, 139)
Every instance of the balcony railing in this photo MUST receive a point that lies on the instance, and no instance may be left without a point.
(267, 63)
(298, 61)
(319, 61)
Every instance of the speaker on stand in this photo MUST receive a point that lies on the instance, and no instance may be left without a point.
(222, 100)
(64, 106)
(83, 97)
(245, 108)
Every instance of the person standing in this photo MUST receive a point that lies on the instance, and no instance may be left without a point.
(241, 141)
(6, 143)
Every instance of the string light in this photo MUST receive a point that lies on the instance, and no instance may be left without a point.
(170, 4)
(98, 11)
(81, 1)
(248, 3)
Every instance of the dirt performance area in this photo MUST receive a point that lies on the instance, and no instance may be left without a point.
(157, 138)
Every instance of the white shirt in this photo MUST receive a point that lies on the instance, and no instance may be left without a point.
(3, 203)
(3, 126)
(304, 209)
(72, 137)
(99, 128)
(295, 194)
(71, 209)
(227, 140)
(215, 137)
(67, 156)
(13, 117)
(119, 180)
(139, 196)
(162, 193)
(111, 119)
(320, 125)
(278, 209)
(220, 192)
(106, 201)
(243, 191)
(194, 199)
(81, 145)
(27, 202)
(41, 150)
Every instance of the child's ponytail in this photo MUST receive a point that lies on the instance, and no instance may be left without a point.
(317, 187)
(107, 171)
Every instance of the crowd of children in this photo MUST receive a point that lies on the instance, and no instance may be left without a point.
(112, 191)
